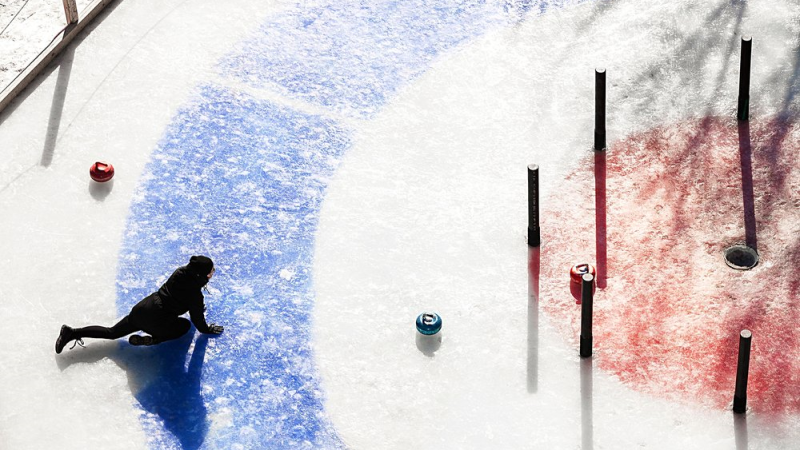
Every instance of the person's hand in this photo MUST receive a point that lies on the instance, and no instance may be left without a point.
(215, 329)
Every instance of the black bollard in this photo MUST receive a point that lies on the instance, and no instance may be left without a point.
(587, 283)
(742, 370)
(533, 206)
(743, 108)
(600, 109)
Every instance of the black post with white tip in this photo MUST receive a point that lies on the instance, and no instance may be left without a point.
(587, 284)
(742, 371)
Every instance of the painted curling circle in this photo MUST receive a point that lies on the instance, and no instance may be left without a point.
(668, 312)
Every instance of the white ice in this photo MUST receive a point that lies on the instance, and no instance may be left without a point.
(427, 212)
(109, 98)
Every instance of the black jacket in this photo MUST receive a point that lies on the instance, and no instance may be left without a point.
(182, 293)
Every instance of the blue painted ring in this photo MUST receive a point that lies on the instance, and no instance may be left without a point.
(429, 323)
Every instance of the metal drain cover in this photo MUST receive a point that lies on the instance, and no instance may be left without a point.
(741, 257)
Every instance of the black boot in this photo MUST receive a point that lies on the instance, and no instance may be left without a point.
(63, 338)
(142, 340)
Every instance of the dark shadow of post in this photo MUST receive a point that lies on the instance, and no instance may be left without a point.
(748, 200)
(601, 233)
(57, 107)
(534, 269)
(587, 426)
(160, 381)
(740, 431)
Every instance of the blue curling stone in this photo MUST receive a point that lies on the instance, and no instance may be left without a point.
(429, 323)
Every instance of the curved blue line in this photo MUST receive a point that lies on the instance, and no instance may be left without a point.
(352, 56)
(242, 180)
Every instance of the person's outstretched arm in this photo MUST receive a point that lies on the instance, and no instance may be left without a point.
(197, 314)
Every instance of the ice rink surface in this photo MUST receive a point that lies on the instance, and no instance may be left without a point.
(349, 165)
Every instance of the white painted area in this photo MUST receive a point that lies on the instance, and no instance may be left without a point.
(109, 97)
(428, 212)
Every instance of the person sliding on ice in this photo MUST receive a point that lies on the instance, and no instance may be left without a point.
(157, 314)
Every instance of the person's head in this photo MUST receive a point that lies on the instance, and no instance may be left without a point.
(202, 267)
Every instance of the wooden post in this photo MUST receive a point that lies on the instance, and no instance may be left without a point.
(71, 10)
(38, 65)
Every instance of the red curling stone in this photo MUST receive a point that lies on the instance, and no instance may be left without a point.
(101, 171)
(578, 270)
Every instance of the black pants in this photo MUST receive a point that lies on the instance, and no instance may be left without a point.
(146, 316)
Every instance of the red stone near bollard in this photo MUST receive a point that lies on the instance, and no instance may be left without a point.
(578, 270)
